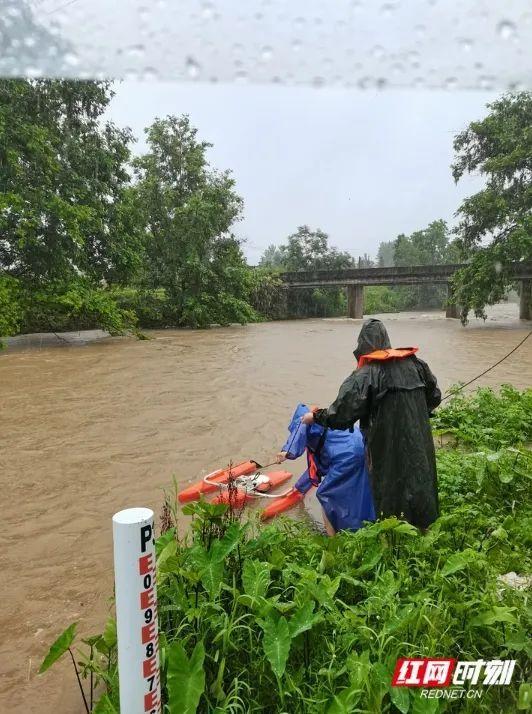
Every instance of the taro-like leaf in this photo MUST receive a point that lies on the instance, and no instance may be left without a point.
(458, 561)
(276, 643)
(341, 703)
(370, 558)
(494, 614)
(185, 678)
(210, 569)
(221, 548)
(400, 698)
(109, 633)
(421, 705)
(169, 550)
(303, 619)
(256, 578)
(211, 577)
(59, 647)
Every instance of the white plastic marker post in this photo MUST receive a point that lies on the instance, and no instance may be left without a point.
(136, 612)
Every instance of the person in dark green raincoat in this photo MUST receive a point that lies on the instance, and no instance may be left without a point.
(392, 393)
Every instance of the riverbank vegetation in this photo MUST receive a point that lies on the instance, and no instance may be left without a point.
(280, 618)
(93, 236)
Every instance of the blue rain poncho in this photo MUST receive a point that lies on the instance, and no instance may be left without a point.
(344, 491)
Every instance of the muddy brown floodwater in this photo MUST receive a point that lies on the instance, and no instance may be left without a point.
(88, 430)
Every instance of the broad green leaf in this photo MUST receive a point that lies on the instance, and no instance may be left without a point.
(506, 476)
(422, 705)
(276, 642)
(163, 540)
(400, 698)
(493, 615)
(221, 548)
(370, 559)
(341, 703)
(256, 578)
(169, 550)
(517, 641)
(109, 633)
(104, 706)
(525, 696)
(459, 561)
(211, 571)
(185, 678)
(59, 647)
(302, 620)
(212, 576)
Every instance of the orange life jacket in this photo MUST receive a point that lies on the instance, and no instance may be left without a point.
(383, 355)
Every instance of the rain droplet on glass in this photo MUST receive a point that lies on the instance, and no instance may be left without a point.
(71, 59)
(506, 29)
(207, 11)
(136, 51)
(192, 67)
(266, 54)
(465, 44)
(150, 74)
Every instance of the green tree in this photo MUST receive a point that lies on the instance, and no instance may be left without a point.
(310, 250)
(63, 184)
(364, 261)
(385, 254)
(426, 247)
(271, 258)
(189, 210)
(495, 224)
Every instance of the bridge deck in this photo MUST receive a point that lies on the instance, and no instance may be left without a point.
(410, 275)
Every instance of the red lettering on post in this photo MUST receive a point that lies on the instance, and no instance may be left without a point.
(150, 701)
(148, 633)
(145, 564)
(147, 599)
(149, 667)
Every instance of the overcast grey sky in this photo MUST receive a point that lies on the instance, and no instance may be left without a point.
(362, 165)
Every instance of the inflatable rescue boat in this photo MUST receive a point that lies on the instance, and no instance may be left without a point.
(247, 483)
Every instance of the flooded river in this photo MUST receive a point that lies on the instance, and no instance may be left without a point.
(88, 430)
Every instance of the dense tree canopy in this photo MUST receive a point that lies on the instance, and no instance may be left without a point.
(308, 249)
(189, 210)
(495, 224)
(90, 237)
(63, 185)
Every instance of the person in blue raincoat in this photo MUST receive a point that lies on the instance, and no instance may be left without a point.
(336, 465)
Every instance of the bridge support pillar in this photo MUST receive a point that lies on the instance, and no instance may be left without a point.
(355, 301)
(452, 309)
(525, 300)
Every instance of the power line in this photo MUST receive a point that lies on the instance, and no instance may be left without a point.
(61, 7)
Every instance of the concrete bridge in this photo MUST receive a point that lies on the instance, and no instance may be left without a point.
(356, 278)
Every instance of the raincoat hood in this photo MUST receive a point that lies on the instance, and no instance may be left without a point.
(372, 337)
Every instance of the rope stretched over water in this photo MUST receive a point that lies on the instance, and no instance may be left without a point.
(463, 386)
